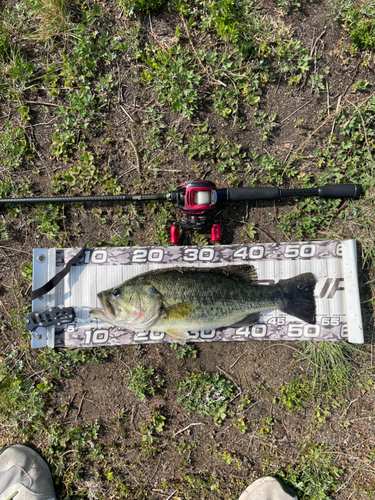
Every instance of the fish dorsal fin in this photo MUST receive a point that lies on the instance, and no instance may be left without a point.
(243, 273)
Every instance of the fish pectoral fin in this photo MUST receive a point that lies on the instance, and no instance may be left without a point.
(179, 311)
(250, 320)
(178, 335)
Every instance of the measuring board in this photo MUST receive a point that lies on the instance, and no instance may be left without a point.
(333, 263)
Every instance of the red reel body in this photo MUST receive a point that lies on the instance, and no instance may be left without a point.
(196, 199)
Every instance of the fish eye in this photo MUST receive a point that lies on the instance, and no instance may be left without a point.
(116, 293)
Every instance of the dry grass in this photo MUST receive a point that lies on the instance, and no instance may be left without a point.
(53, 17)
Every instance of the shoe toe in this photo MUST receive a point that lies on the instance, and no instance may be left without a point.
(22, 468)
(268, 488)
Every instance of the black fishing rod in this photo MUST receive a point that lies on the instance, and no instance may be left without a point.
(197, 198)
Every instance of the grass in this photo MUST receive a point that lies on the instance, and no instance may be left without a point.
(316, 473)
(25, 397)
(53, 18)
(359, 21)
(329, 364)
(141, 382)
(184, 351)
(14, 147)
(207, 394)
(201, 95)
(330, 368)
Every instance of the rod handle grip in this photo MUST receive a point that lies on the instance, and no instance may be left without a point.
(340, 191)
(248, 194)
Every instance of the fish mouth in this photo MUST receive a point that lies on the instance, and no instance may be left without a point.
(109, 310)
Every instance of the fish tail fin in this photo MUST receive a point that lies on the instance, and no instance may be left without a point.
(299, 298)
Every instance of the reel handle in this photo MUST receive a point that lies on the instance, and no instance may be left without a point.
(174, 234)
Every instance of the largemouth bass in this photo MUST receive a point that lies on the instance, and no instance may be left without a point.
(179, 300)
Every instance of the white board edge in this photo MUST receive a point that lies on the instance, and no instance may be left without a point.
(352, 298)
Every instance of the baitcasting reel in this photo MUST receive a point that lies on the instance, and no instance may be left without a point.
(195, 199)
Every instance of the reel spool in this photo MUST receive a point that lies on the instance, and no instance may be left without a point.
(202, 197)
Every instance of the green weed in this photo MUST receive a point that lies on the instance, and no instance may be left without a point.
(296, 394)
(82, 177)
(198, 239)
(23, 401)
(199, 485)
(174, 76)
(61, 363)
(268, 123)
(181, 446)
(249, 231)
(225, 102)
(14, 147)
(160, 233)
(266, 426)
(24, 112)
(150, 432)
(142, 382)
(315, 475)
(184, 351)
(129, 222)
(62, 142)
(241, 425)
(288, 5)
(294, 59)
(321, 412)
(309, 217)
(47, 220)
(5, 50)
(27, 272)
(177, 73)
(201, 143)
(3, 230)
(20, 71)
(18, 315)
(121, 240)
(146, 6)
(359, 20)
(153, 428)
(273, 169)
(207, 394)
(229, 157)
(154, 130)
(317, 84)
(361, 85)
(61, 440)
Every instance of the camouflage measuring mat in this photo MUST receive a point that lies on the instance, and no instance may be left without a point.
(333, 264)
